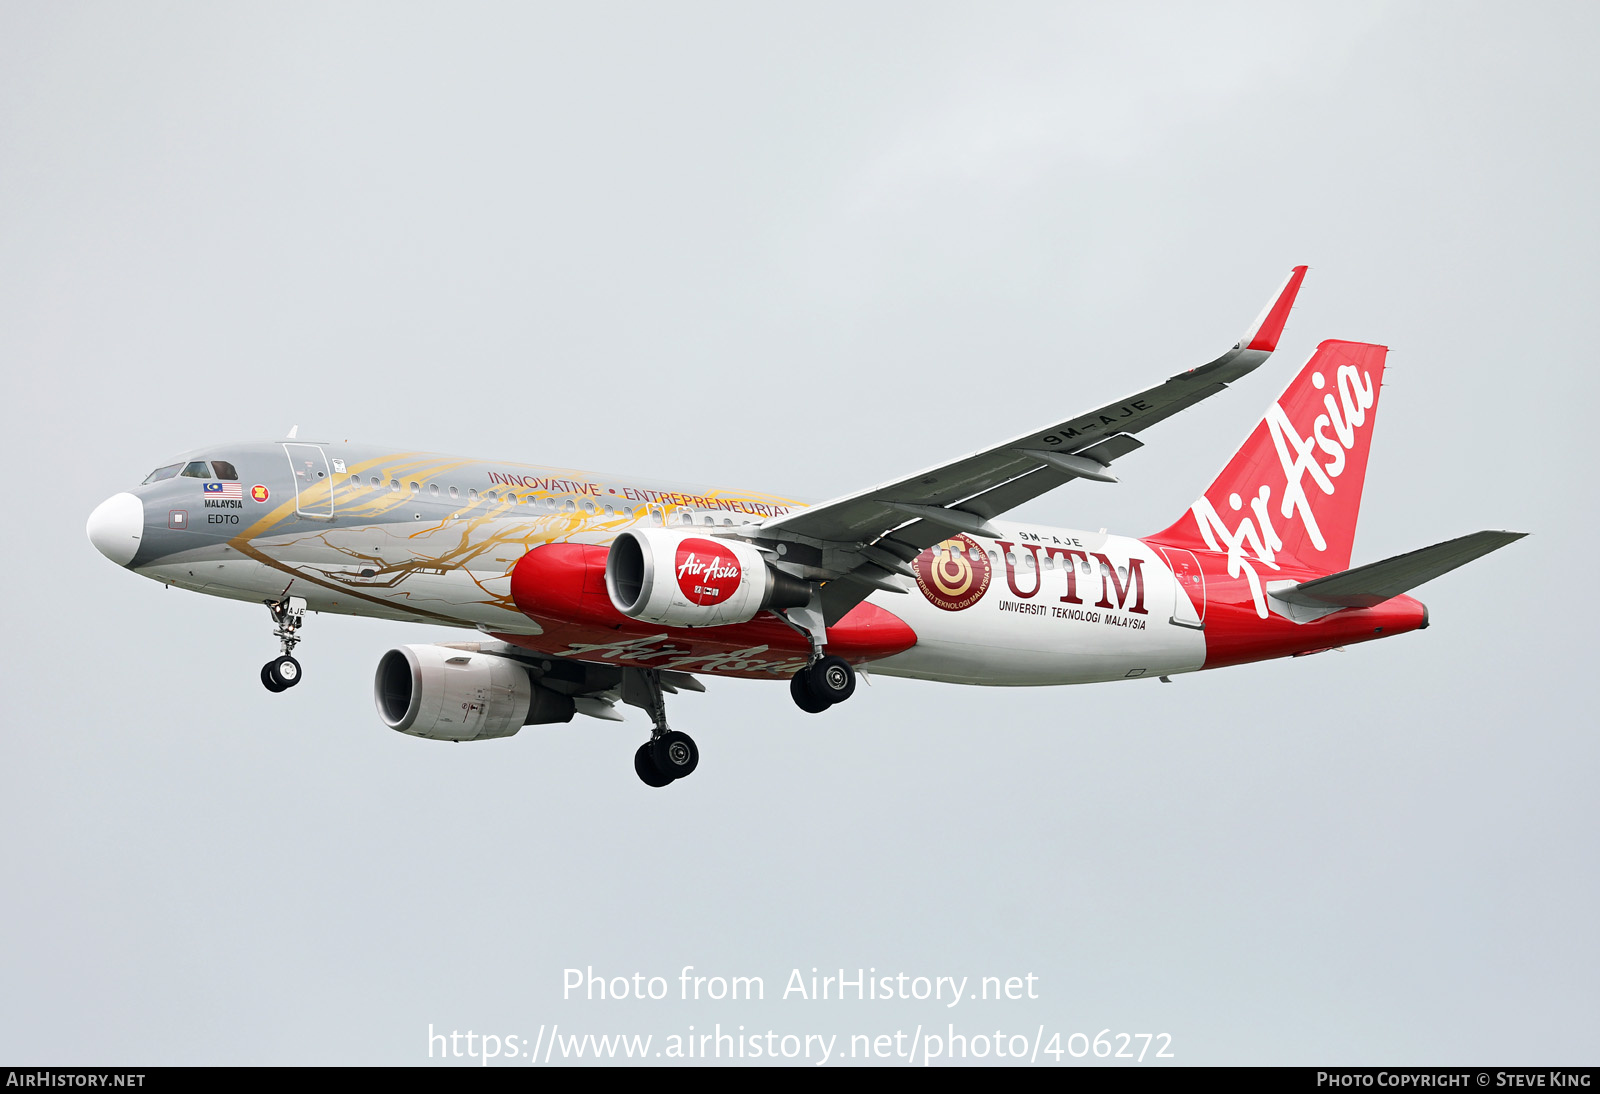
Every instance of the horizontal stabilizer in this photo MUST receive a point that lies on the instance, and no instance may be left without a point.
(1372, 584)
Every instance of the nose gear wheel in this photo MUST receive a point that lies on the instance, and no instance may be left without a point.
(283, 672)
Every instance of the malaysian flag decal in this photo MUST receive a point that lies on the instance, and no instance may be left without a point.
(221, 490)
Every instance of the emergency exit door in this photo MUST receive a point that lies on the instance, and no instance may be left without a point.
(1189, 605)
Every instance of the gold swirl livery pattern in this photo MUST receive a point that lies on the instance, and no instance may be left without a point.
(953, 574)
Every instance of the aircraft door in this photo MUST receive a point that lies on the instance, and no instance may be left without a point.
(313, 485)
(1189, 606)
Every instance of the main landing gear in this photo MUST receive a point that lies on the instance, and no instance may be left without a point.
(823, 683)
(283, 672)
(668, 755)
(826, 679)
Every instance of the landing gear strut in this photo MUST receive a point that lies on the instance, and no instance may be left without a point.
(283, 672)
(668, 755)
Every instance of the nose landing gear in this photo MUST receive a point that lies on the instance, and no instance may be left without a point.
(280, 673)
(283, 672)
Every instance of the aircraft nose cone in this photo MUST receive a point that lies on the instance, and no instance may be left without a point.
(116, 526)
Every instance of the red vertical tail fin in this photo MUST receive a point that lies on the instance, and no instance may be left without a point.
(1294, 488)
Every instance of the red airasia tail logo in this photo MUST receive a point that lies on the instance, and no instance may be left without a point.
(708, 573)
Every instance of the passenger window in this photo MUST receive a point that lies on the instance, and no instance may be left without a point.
(197, 470)
(454, 493)
(472, 495)
(394, 485)
(224, 470)
(161, 473)
(376, 481)
(610, 512)
(415, 488)
(433, 488)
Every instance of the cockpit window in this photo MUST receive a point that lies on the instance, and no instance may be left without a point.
(162, 473)
(224, 470)
(197, 470)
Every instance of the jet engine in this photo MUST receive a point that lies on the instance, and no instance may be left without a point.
(684, 579)
(459, 694)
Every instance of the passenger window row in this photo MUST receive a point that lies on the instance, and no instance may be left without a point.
(226, 472)
(546, 504)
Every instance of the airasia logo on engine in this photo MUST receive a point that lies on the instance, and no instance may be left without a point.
(708, 573)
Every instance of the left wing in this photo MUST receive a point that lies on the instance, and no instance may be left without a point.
(862, 541)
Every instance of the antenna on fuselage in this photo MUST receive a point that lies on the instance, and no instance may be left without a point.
(292, 431)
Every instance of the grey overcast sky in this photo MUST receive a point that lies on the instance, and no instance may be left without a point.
(802, 248)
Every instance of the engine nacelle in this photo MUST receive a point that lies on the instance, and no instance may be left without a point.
(686, 579)
(451, 694)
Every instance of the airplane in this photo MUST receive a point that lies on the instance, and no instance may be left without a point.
(593, 590)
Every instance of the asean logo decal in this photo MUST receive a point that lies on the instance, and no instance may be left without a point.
(953, 574)
(259, 493)
(708, 573)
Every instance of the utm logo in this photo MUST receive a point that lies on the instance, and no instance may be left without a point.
(953, 574)
(258, 493)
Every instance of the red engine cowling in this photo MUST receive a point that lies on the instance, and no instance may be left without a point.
(686, 579)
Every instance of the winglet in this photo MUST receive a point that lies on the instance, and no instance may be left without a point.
(1268, 327)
